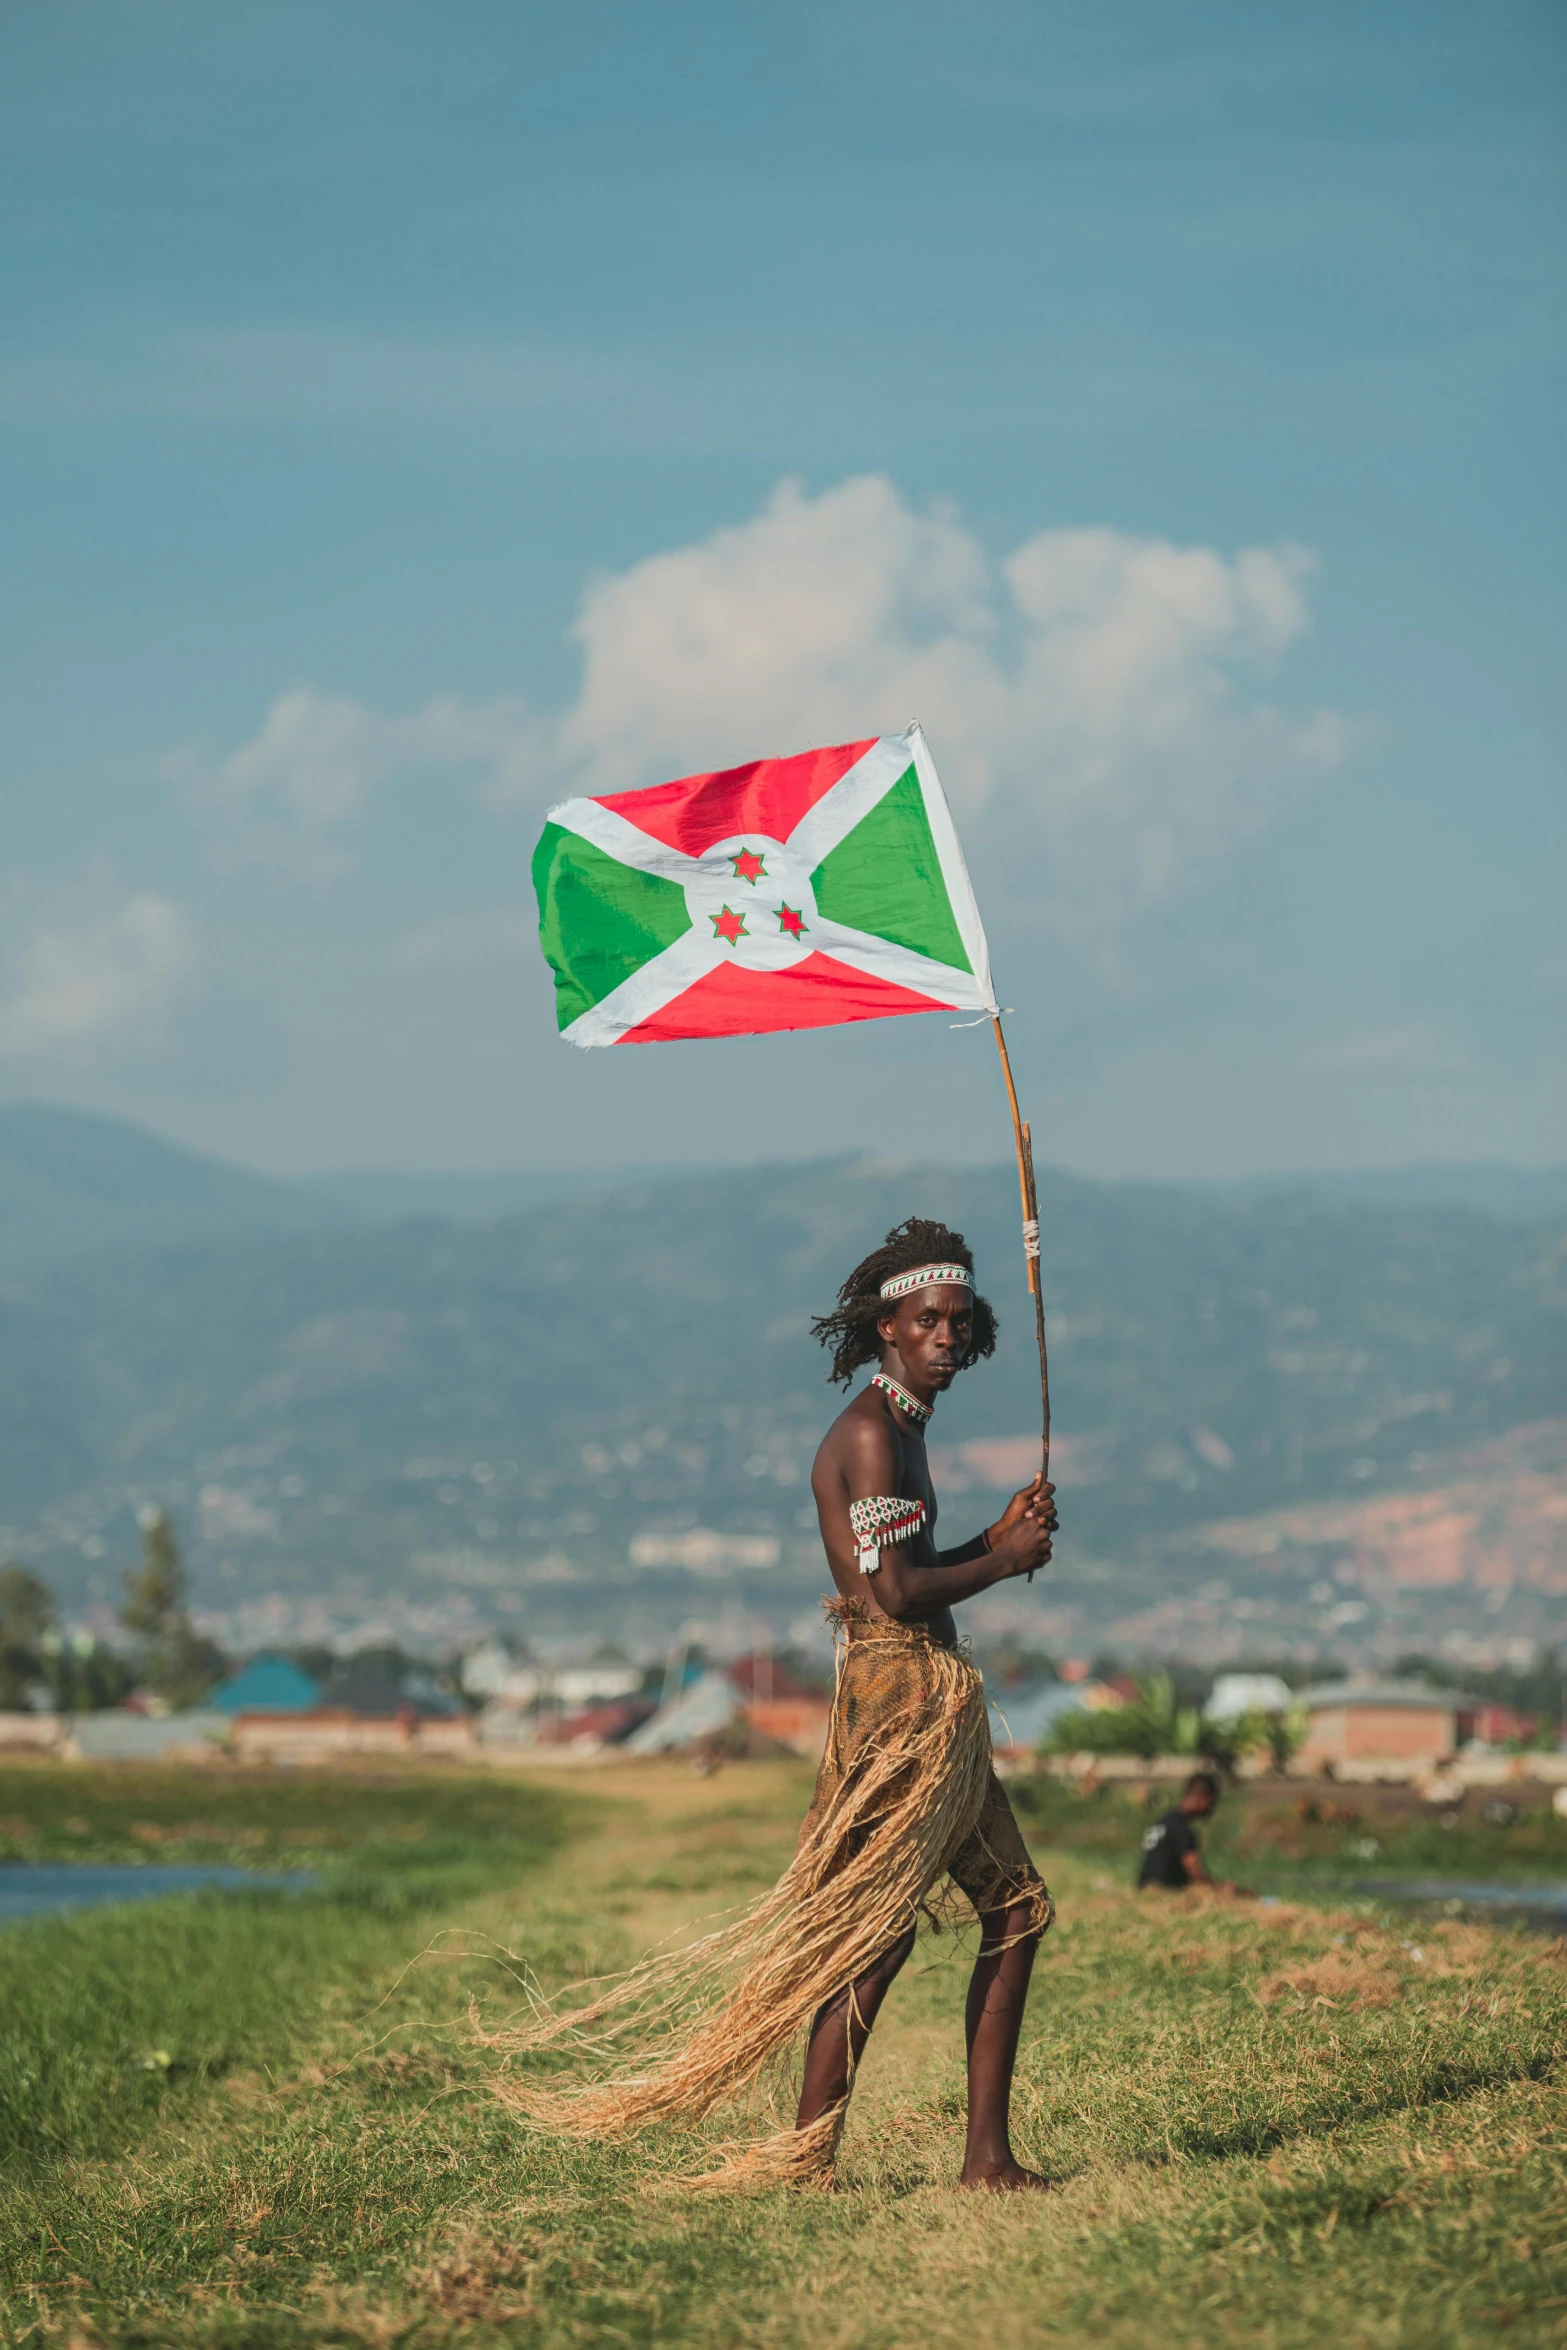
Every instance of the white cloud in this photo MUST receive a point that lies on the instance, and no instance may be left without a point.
(1096, 701)
(815, 620)
(107, 982)
(1092, 701)
(287, 797)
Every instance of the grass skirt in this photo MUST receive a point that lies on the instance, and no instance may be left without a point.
(688, 2028)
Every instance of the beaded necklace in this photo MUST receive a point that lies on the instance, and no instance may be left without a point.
(918, 1412)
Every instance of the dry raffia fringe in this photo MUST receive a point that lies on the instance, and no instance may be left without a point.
(790, 2158)
(707, 2020)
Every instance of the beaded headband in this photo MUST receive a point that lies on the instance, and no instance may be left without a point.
(928, 1277)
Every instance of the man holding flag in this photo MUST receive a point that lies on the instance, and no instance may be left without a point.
(795, 893)
(912, 1309)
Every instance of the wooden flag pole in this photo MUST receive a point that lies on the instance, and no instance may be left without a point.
(1030, 1199)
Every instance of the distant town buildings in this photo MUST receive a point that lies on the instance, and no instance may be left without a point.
(268, 1684)
(1235, 1694)
(1361, 1726)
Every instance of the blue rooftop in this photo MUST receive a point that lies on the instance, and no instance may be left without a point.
(267, 1685)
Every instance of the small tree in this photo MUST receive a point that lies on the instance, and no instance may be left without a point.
(27, 1616)
(155, 1591)
(1154, 1722)
(74, 1672)
(176, 1661)
(84, 1675)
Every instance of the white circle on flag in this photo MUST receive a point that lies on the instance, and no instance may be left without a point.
(754, 900)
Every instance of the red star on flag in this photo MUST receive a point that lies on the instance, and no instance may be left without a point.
(790, 921)
(748, 867)
(729, 926)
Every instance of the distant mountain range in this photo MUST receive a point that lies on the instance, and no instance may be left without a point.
(1518, 1194)
(383, 1195)
(73, 1182)
(498, 1412)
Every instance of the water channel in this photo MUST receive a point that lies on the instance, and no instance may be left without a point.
(1542, 1908)
(32, 1889)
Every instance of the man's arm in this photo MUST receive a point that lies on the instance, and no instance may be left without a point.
(904, 1589)
(1197, 1874)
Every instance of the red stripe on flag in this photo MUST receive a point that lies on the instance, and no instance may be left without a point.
(769, 796)
(816, 993)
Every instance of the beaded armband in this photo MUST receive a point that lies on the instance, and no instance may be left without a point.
(884, 1519)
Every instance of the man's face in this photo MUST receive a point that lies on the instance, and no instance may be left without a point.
(930, 1334)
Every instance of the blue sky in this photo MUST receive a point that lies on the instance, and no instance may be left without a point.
(393, 392)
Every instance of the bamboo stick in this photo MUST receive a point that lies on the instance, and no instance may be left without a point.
(1029, 1196)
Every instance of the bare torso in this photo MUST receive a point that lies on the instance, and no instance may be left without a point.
(872, 1422)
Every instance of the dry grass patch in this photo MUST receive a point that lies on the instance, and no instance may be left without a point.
(476, 2280)
(1243, 2159)
(1361, 1980)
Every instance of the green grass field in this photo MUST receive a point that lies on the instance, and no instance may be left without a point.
(266, 2119)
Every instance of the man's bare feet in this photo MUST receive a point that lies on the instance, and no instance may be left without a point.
(1011, 2177)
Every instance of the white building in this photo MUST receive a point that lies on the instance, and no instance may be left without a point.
(1234, 1694)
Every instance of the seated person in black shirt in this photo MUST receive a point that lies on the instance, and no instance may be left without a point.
(1171, 1853)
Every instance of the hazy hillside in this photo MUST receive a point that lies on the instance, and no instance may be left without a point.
(70, 1182)
(475, 1406)
(1519, 1194)
(389, 1196)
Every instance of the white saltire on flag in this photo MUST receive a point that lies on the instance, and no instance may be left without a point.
(791, 893)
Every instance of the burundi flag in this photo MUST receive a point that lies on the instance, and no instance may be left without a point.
(791, 893)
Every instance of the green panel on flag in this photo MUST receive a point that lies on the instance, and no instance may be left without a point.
(886, 877)
(599, 920)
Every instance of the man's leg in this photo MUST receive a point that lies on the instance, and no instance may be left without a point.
(839, 2034)
(997, 1996)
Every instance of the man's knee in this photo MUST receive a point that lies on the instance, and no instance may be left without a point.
(1023, 1924)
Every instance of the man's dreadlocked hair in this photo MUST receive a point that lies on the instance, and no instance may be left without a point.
(851, 1330)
